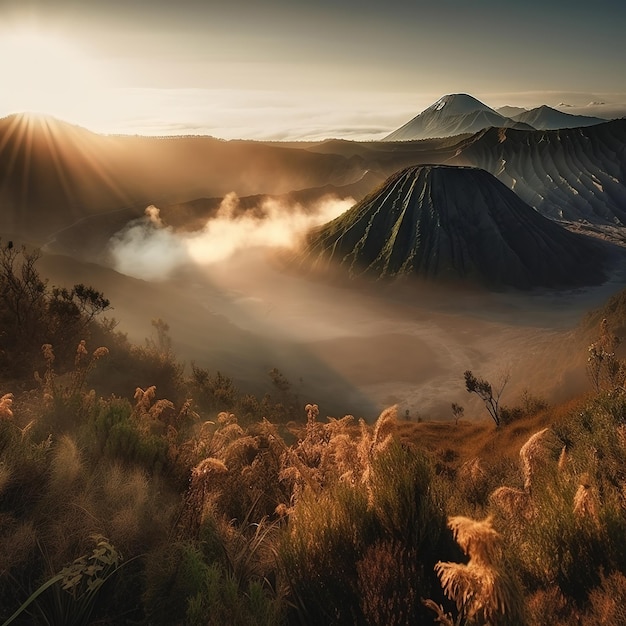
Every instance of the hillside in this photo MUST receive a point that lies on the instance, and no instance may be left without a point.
(570, 174)
(53, 174)
(454, 224)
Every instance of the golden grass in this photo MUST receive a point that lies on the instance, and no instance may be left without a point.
(66, 466)
(484, 590)
(481, 439)
(6, 402)
(18, 542)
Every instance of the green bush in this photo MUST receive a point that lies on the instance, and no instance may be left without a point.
(338, 542)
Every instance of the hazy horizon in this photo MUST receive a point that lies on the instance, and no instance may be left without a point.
(280, 71)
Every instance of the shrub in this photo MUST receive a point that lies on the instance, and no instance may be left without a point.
(31, 314)
(175, 573)
(338, 541)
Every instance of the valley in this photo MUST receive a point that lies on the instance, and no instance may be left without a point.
(273, 320)
(353, 345)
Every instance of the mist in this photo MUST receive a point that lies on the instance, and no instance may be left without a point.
(149, 249)
(349, 348)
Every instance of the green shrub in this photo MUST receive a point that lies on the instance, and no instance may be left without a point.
(326, 536)
(339, 544)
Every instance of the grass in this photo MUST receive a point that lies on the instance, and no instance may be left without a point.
(233, 509)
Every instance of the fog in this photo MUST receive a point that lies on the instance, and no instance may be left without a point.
(234, 305)
(148, 248)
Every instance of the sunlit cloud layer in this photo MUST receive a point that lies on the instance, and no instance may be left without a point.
(289, 71)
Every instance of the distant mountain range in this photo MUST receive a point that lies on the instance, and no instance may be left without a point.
(456, 114)
(454, 224)
(547, 118)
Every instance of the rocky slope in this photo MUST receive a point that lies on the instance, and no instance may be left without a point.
(454, 224)
(571, 174)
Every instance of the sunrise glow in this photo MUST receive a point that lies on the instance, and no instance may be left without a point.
(44, 73)
(296, 72)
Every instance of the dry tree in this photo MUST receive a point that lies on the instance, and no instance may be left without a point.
(485, 391)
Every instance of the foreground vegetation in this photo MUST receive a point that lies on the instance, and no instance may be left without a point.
(186, 501)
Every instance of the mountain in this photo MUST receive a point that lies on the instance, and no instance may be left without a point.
(53, 174)
(569, 174)
(509, 111)
(547, 118)
(88, 239)
(453, 114)
(50, 172)
(454, 224)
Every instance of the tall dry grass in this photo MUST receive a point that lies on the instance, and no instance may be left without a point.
(484, 589)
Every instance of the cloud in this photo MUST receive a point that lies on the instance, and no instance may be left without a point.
(253, 114)
(148, 248)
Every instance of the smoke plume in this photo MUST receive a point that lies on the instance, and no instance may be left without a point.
(148, 248)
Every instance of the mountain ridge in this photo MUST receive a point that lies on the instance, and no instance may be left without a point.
(545, 117)
(566, 174)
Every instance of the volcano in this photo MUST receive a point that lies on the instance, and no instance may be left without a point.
(455, 224)
(453, 114)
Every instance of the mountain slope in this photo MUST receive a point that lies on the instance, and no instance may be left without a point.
(547, 118)
(570, 174)
(52, 173)
(453, 114)
(454, 224)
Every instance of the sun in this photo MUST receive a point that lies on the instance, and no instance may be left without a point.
(45, 73)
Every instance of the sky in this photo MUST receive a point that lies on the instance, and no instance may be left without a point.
(287, 70)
